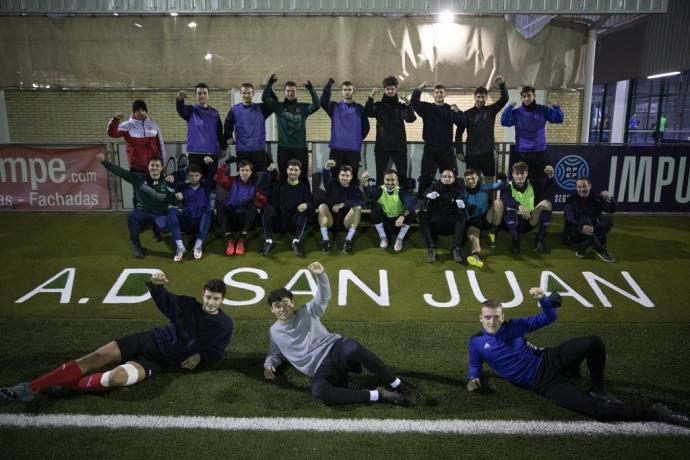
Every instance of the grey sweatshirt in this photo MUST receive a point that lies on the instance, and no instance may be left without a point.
(303, 340)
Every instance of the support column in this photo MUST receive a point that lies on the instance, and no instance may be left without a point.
(4, 125)
(589, 83)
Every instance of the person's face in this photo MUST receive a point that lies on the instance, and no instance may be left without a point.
(194, 178)
(491, 319)
(519, 177)
(140, 114)
(345, 177)
(202, 96)
(247, 94)
(471, 180)
(390, 181)
(283, 309)
(290, 93)
(390, 91)
(447, 177)
(245, 173)
(155, 168)
(211, 301)
(527, 98)
(347, 92)
(293, 172)
(583, 188)
(439, 95)
(479, 100)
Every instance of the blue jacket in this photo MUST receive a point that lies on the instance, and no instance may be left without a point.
(530, 122)
(438, 121)
(249, 125)
(204, 128)
(477, 199)
(349, 126)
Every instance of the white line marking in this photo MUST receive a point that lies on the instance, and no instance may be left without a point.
(468, 427)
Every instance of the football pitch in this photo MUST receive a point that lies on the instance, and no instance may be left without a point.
(70, 284)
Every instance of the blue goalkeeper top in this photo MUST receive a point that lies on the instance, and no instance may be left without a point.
(507, 352)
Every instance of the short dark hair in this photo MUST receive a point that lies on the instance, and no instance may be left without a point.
(488, 303)
(440, 86)
(470, 171)
(247, 85)
(520, 167)
(584, 178)
(527, 89)
(390, 81)
(390, 171)
(295, 162)
(243, 163)
(216, 286)
(139, 104)
(200, 85)
(347, 168)
(195, 168)
(279, 294)
(346, 83)
(481, 90)
(289, 83)
(155, 158)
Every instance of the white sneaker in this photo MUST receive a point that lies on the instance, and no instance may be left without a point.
(198, 253)
(398, 245)
(179, 254)
(384, 243)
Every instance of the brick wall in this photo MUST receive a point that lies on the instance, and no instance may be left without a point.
(82, 116)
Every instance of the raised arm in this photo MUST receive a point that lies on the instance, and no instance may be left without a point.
(184, 110)
(314, 106)
(326, 97)
(317, 306)
(554, 114)
(165, 301)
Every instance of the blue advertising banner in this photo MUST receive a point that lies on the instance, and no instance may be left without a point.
(641, 179)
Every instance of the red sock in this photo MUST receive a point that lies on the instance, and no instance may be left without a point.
(88, 383)
(66, 373)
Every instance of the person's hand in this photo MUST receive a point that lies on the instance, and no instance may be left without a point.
(179, 196)
(587, 230)
(421, 87)
(191, 362)
(315, 268)
(118, 115)
(181, 95)
(330, 81)
(499, 80)
(536, 293)
(433, 195)
(337, 207)
(548, 170)
(513, 103)
(272, 167)
(404, 100)
(474, 384)
(308, 85)
(170, 178)
(460, 156)
(100, 157)
(272, 79)
(365, 177)
(455, 108)
(460, 203)
(399, 221)
(231, 141)
(606, 195)
(302, 207)
(374, 92)
(524, 212)
(208, 160)
(329, 164)
(159, 278)
(269, 372)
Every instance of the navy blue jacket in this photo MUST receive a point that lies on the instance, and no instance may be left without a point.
(438, 121)
(577, 208)
(350, 196)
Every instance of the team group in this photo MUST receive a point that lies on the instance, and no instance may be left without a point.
(279, 197)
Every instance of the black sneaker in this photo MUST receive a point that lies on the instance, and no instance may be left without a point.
(297, 248)
(347, 246)
(457, 255)
(666, 415)
(326, 245)
(604, 396)
(137, 251)
(431, 255)
(605, 256)
(393, 397)
(19, 392)
(580, 253)
(515, 246)
(268, 247)
(540, 246)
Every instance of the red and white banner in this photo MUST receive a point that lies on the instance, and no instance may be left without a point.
(53, 179)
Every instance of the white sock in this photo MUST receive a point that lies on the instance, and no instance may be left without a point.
(403, 231)
(380, 231)
(373, 395)
(395, 383)
(324, 233)
(198, 243)
(180, 244)
(295, 240)
(350, 234)
(269, 241)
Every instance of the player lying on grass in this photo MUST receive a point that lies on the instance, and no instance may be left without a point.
(198, 333)
(548, 372)
(299, 337)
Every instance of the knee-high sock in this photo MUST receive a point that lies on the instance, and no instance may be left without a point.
(62, 375)
(511, 222)
(88, 383)
(544, 221)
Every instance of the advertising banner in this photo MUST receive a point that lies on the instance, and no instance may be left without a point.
(53, 179)
(641, 179)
